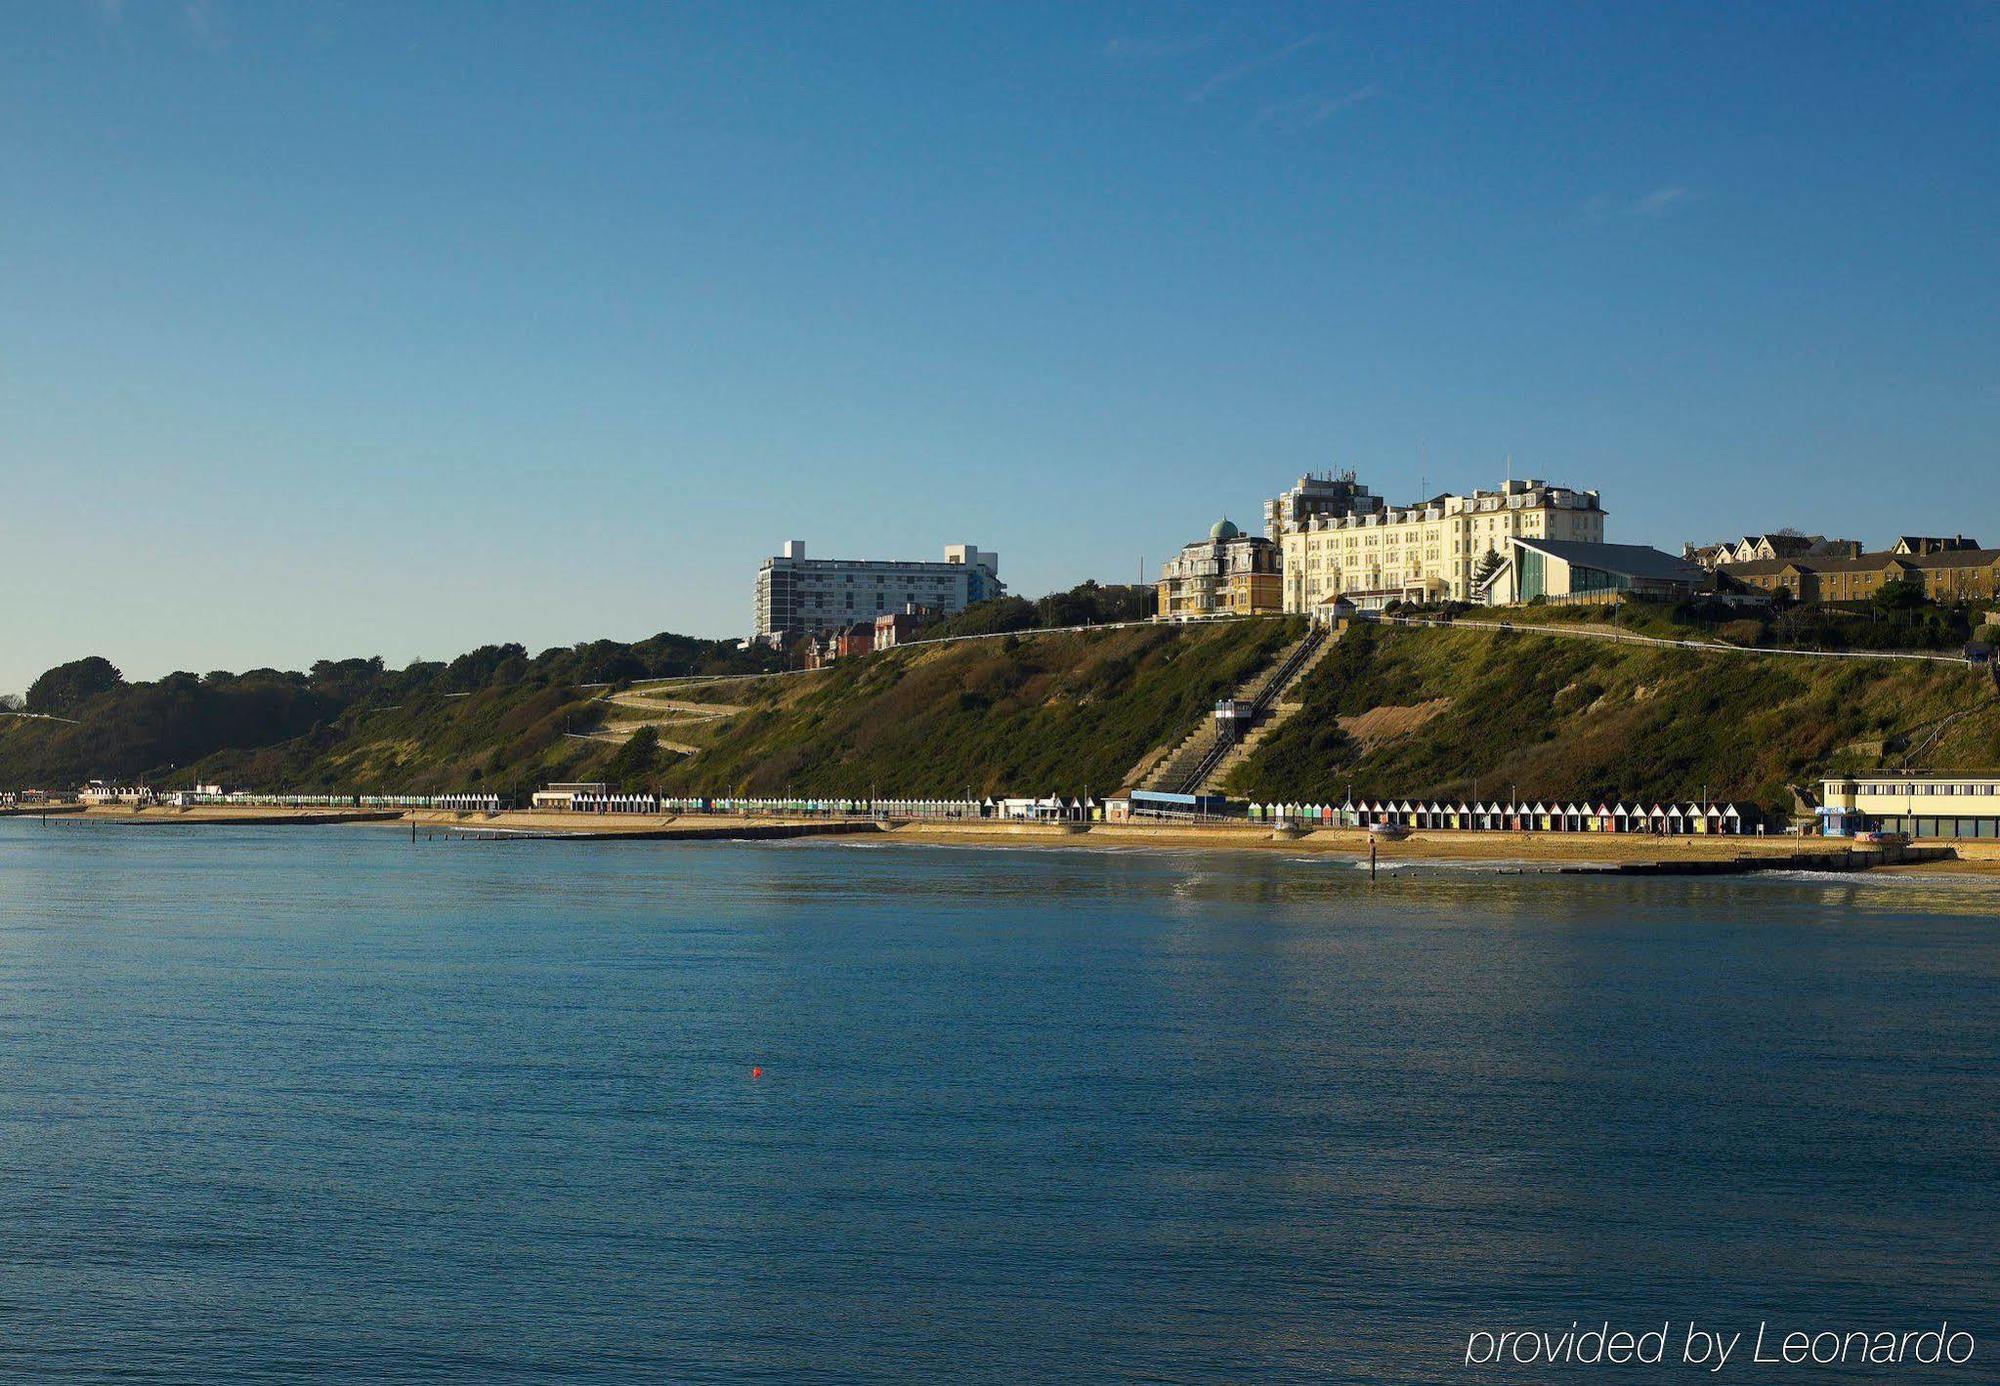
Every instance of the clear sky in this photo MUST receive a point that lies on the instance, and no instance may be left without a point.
(349, 329)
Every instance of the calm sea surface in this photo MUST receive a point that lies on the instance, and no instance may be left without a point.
(288, 1104)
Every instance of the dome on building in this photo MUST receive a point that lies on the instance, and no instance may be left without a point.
(1224, 530)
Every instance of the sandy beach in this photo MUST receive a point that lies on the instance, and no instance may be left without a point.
(1528, 849)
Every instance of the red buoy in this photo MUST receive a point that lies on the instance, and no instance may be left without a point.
(756, 1072)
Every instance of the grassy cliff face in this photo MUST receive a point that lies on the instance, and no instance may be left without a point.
(1390, 711)
(1020, 715)
(497, 738)
(505, 740)
(1432, 713)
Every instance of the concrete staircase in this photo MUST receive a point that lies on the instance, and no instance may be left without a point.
(1281, 711)
(1201, 758)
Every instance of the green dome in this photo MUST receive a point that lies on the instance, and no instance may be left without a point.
(1224, 530)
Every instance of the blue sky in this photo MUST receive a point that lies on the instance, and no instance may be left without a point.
(343, 329)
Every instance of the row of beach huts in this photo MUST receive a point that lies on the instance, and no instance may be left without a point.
(1666, 819)
(1677, 819)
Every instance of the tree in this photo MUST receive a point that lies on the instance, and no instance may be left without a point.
(630, 768)
(10, 702)
(1899, 594)
(67, 687)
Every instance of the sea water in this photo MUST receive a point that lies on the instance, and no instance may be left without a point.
(284, 1104)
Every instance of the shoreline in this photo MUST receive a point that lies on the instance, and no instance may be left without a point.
(1530, 852)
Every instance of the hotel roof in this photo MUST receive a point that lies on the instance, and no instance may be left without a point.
(1627, 560)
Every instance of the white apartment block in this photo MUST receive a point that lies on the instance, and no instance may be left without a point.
(1331, 494)
(815, 595)
(1432, 551)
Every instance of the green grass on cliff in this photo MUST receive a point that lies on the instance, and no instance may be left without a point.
(1573, 718)
(506, 740)
(1559, 717)
(1021, 715)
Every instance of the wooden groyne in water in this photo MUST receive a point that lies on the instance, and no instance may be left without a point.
(1853, 859)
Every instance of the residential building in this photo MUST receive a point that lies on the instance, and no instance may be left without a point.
(1228, 573)
(845, 643)
(896, 627)
(1568, 571)
(1947, 575)
(1922, 544)
(814, 595)
(1922, 803)
(1331, 495)
(1762, 548)
(857, 639)
(1435, 550)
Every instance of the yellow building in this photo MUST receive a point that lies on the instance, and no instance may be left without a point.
(1437, 550)
(1922, 803)
(1230, 573)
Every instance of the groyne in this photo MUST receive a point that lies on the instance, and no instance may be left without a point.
(1851, 859)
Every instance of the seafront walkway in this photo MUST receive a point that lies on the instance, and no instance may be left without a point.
(1628, 638)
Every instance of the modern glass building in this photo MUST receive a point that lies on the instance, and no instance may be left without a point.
(1560, 570)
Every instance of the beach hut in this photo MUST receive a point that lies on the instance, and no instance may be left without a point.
(1732, 821)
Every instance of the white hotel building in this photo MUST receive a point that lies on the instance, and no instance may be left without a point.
(814, 595)
(1435, 550)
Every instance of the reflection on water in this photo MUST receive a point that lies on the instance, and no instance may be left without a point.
(301, 1102)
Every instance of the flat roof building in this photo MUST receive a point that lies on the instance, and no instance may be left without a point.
(1922, 803)
(1329, 495)
(815, 595)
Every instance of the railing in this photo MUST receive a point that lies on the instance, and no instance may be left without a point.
(1273, 688)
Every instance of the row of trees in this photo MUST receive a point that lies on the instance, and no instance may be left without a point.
(1087, 604)
(125, 729)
